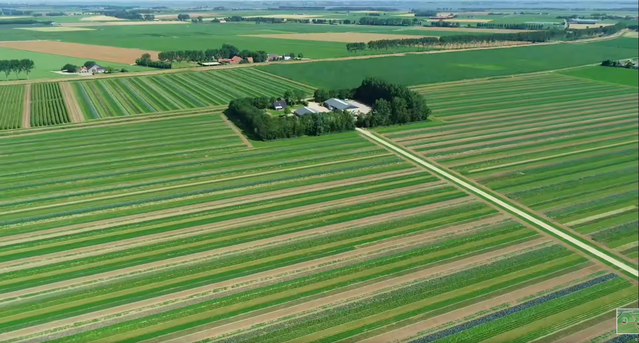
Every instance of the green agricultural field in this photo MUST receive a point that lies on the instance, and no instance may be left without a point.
(208, 35)
(47, 64)
(564, 146)
(47, 105)
(417, 69)
(622, 76)
(169, 228)
(11, 105)
(174, 91)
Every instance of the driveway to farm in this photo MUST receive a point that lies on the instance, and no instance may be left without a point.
(502, 204)
(164, 71)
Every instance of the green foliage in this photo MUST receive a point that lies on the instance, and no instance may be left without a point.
(12, 100)
(47, 105)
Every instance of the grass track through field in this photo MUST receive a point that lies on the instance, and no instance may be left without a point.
(508, 207)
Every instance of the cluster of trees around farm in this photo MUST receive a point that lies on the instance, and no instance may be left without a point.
(250, 114)
(141, 14)
(520, 26)
(618, 64)
(16, 66)
(270, 20)
(387, 21)
(226, 51)
(72, 68)
(391, 104)
(593, 32)
(12, 12)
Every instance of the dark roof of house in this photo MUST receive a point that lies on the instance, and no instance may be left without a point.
(281, 103)
(304, 111)
(339, 104)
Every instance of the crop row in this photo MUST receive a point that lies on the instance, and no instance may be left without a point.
(11, 102)
(47, 105)
(159, 93)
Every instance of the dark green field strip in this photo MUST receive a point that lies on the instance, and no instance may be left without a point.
(490, 84)
(281, 83)
(273, 200)
(507, 138)
(54, 209)
(478, 102)
(515, 122)
(195, 90)
(202, 196)
(179, 173)
(521, 156)
(132, 101)
(167, 172)
(426, 297)
(565, 169)
(150, 96)
(587, 206)
(180, 97)
(11, 106)
(200, 224)
(123, 129)
(207, 241)
(608, 221)
(618, 234)
(322, 282)
(120, 98)
(510, 154)
(524, 101)
(47, 105)
(464, 92)
(531, 323)
(585, 120)
(155, 91)
(518, 117)
(188, 158)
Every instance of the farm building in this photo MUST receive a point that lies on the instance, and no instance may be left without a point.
(300, 112)
(95, 69)
(234, 60)
(337, 104)
(209, 64)
(584, 21)
(249, 59)
(273, 57)
(279, 105)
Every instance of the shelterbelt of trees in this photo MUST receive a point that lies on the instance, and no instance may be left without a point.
(16, 66)
(532, 37)
(166, 58)
(391, 104)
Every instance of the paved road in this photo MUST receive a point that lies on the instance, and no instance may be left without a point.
(503, 205)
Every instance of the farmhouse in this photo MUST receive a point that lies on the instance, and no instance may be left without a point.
(300, 112)
(279, 105)
(273, 57)
(337, 104)
(95, 69)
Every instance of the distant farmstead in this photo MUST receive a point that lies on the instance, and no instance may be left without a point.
(95, 69)
(279, 105)
(234, 60)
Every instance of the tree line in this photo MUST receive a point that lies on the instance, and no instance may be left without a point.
(519, 26)
(618, 64)
(386, 21)
(271, 20)
(425, 13)
(532, 37)
(166, 58)
(16, 66)
(131, 15)
(391, 104)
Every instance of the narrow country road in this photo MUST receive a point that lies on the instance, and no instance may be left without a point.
(496, 201)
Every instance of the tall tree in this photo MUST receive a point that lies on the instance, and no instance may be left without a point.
(27, 66)
(15, 67)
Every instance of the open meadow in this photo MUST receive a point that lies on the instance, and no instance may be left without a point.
(169, 228)
(561, 145)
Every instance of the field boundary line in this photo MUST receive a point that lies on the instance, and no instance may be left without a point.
(506, 206)
(552, 156)
(26, 108)
(236, 130)
(68, 96)
(601, 215)
(596, 81)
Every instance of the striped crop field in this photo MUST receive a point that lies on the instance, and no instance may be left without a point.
(47, 105)
(171, 229)
(159, 93)
(563, 146)
(11, 102)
